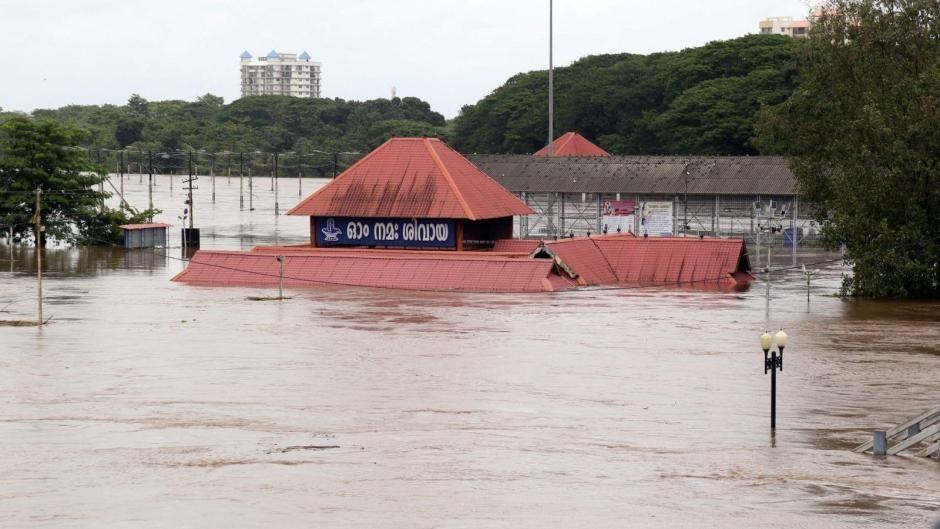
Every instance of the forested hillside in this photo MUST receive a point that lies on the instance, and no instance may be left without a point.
(265, 123)
(697, 101)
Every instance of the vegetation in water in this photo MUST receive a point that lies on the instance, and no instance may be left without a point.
(861, 133)
(41, 154)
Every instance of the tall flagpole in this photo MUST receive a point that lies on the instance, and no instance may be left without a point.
(551, 85)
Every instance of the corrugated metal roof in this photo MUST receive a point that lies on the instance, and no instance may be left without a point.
(675, 260)
(422, 271)
(572, 144)
(587, 261)
(413, 178)
(729, 175)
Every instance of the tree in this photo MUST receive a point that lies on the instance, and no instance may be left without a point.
(863, 141)
(697, 101)
(42, 155)
(128, 130)
(401, 128)
(138, 105)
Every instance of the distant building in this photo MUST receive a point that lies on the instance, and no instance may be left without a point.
(282, 74)
(786, 26)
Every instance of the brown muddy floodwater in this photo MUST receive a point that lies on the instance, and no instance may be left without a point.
(146, 403)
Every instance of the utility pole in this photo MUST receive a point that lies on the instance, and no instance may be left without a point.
(241, 181)
(39, 246)
(280, 278)
(685, 200)
(300, 173)
(251, 191)
(150, 183)
(551, 83)
(274, 185)
(121, 171)
(189, 182)
(212, 174)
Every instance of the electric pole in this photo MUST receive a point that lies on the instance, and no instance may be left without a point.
(150, 182)
(39, 245)
(274, 185)
(189, 182)
(551, 84)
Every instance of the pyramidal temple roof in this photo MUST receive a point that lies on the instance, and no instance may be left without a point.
(572, 144)
(413, 178)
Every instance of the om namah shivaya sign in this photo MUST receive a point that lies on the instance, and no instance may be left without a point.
(411, 233)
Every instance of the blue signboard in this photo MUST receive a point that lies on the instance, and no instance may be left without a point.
(412, 233)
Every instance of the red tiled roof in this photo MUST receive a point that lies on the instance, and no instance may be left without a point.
(144, 226)
(413, 178)
(572, 144)
(421, 271)
(674, 260)
(582, 257)
(525, 246)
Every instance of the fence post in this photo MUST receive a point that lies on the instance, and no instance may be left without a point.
(879, 443)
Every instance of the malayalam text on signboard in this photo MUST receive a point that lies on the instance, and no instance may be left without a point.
(412, 233)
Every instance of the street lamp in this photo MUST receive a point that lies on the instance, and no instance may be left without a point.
(772, 363)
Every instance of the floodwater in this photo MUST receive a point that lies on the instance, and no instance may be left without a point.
(146, 403)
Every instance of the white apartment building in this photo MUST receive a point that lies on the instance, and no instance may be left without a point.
(786, 26)
(282, 74)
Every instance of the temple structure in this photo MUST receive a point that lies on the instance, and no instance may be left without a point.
(414, 214)
(411, 193)
(572, 144)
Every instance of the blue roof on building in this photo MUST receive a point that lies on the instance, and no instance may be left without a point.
(245, 55)
(273, 55)
(305, 56)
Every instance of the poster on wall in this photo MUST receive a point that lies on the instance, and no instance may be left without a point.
(619, 215)
(656, 219)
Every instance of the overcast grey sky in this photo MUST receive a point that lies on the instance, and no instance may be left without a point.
(448, 52)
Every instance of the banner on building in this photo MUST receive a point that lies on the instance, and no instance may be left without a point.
(656, 219)
(412, 233)
(619, 215)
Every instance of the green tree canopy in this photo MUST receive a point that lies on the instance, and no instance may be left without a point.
(42, 155)
(698, 101)
(864, 143)
(258, 123)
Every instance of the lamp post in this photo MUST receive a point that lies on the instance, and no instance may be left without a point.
(772, 363)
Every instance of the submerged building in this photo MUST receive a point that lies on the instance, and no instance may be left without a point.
(415, 214)
(580, 189)
(411, 193)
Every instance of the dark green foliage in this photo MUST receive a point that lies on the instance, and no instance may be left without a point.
(862, 132)
(261, 123)
(103, 227)
(128, 130)
(41, 154)
(697, 101)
